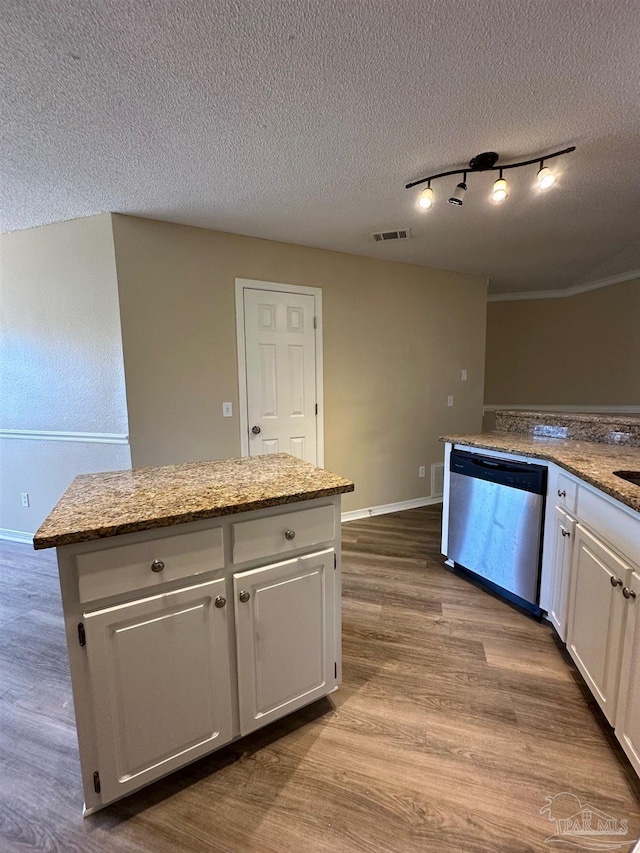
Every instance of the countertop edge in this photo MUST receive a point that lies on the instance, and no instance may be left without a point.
(40, 543)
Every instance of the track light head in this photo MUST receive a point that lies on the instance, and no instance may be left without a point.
(545, 177)
(458, 194)
(425, 199)
(500, 190)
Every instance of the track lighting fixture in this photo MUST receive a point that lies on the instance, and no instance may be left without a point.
(425, 199)
(486, 162)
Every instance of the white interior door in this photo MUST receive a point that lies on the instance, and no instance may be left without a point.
(281, 373)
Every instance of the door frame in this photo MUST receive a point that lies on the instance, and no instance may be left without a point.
(243, 404)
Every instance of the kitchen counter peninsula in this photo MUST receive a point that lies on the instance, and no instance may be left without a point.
(591, 461)
(201, 602)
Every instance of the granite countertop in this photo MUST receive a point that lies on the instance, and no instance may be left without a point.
(592, 462)
(96, 506)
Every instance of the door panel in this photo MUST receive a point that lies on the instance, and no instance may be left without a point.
(285, 637)
(595, 622)
(281, 373)
(563, 533)
(161, 683)
(628, 712)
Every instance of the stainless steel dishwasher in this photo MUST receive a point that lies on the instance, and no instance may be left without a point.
(496, 508)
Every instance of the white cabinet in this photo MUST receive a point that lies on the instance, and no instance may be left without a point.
(161, 684)
(562, 532)
(170, 662)
(596, 617)
(285, 636)
(628, 711)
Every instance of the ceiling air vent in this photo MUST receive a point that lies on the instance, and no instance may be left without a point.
(398, 234)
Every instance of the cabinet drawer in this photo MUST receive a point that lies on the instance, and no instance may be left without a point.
(566, 491)
(271, 535)
(128, 567)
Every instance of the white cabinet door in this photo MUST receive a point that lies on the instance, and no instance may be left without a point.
(596, 610)
(285, 637)
(560, 570)
(628, 711)
(159, 670)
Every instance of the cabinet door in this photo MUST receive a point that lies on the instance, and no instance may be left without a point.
(628, 711)
(159, 669)
(596, 609)
(285, 637)
(560, 570)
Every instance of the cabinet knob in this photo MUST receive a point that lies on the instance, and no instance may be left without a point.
(244, 596)
(220, 601)
(289, 534)
(157, 566)
(566, 532)
(628, 593)
(562, 493)
(615, 581)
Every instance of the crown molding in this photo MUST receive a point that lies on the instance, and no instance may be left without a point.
(563, 292)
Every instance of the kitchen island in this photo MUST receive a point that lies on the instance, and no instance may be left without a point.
(201, 602)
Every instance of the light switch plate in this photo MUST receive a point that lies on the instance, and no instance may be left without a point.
(463, 375)
(450, 400)
(227, 410)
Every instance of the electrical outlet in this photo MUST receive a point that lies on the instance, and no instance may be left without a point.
(463, 375)
(24, 497)
(422, 471)
(227, 410)
(450, 400)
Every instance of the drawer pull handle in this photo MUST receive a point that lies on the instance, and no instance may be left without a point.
(244, 596)
(629, 593)
(157, 566)
(566, 532)
(615, 581)
(220, 601)
(562, 493)
(289, 534)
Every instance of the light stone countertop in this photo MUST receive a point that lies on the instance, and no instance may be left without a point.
(97, 506)
(592, 462)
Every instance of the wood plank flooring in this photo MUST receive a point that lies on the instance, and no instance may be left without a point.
(457, 718)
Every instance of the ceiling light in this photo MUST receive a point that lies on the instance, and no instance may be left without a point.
(425, 199)
(545, 176)
(500, 191)
(458, 194)
(486, 162)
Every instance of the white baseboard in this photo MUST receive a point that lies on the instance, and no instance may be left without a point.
(383, 509)
(16, 536)
(561, 410)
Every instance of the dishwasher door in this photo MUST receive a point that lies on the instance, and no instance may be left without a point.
(495, 532)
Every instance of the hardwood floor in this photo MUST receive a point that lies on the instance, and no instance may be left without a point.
(457, 718)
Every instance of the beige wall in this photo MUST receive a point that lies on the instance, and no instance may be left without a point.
(578, 350)
(395, 339)
(61, 364)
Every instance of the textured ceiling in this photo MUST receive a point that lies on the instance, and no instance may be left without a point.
(302, 121)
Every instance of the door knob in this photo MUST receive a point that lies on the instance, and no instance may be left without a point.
(256, 430)
(157, 566)
(628, 593)
(220, 601)
(615, 581)
(244, 596)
